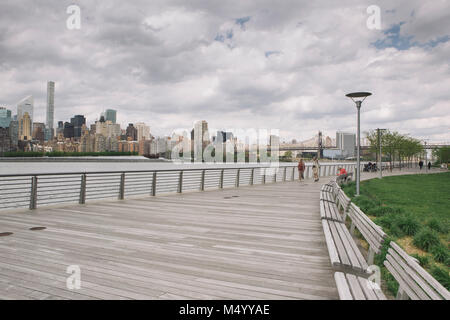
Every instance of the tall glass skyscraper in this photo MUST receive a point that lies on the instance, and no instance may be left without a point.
(49, 132)
(110, 115)
(50, 104)
(5, 117)
(25, 105)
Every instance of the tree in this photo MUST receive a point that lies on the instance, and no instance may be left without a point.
(442, 154)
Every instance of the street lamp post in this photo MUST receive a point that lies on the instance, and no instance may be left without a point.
(380, 174)
(358, 98)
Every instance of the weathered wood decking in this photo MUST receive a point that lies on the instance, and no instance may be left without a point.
(266, 243)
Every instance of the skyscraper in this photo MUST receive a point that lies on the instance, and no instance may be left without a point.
(143, 131)
(5, 117)
(25, 127)
(49, 131)
(77, 122)
(201, 139)
(110, 115)
(132, 132)
(25, 105)
(346, 142)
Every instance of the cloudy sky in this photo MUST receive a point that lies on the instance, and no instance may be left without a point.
(262, 64)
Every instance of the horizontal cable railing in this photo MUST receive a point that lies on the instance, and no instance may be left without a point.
(33, 190)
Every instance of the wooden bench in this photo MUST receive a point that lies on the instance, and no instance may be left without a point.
(371, 232)
(327, 196)
(351, 287)
(343, 251)
(342, 200)
(414, 282)
(329, 210)
(327, 188)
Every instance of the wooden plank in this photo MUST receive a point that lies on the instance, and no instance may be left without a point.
(342, 286)
(354, 285)
(425, 275)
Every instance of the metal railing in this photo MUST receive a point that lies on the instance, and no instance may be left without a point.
(33, 190)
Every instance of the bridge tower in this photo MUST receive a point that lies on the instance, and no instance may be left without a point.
(319, 146)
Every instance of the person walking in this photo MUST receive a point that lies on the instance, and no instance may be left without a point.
(316, 168)
(301, 169)
(420, 164)
(429, 165)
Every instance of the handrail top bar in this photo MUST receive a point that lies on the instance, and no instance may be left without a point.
(149, 171)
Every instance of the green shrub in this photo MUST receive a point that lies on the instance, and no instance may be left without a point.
(441, 275)
(426, 238)
(408, 224)
(365, 203)
(440, 253)
(439, 226)
(424, 261)
(381, 211)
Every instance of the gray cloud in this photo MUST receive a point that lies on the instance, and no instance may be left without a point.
(269, 64)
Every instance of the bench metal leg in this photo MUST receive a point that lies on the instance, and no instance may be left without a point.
(371, 256)
(352, 228)
(401, 294)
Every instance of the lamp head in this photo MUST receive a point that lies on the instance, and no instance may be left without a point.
(358, 97)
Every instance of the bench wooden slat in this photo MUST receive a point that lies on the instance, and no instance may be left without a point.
(444, 293)
(357, 259)
(414, 281)
(400, 280)
(334, 256)
(407, 278)
(342, 286)
(339, 245)
(355, 287)
(367, 289)
(368, 229)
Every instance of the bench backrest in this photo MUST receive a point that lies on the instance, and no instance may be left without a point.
(342, 200)
(373, 233)
(414, 281)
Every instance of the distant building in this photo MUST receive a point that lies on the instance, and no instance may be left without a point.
(26, 105)
(111, 115)
(5, 117)
(50, 106)
(69, 131)
(132, 133)
(78, 121)
(201, 139)
(223, 136)
(14, 134)
(5, 140)
(346, 142)
(38, 131)
(25, 126)
(143, 131)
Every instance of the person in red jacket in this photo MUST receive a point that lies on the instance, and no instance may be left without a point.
(342, 171)
(301, 169)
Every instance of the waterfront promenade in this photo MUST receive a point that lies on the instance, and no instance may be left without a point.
(255, 242)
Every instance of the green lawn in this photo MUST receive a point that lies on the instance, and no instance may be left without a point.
(414, 210)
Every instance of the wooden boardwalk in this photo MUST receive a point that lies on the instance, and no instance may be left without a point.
(260, 242)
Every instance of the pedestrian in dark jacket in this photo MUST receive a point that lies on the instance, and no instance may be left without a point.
(429, 165)
(420, 164)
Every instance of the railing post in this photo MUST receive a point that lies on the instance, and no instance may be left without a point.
(275, 176)
(202, 181)
(83, 189)
(264, 176)
(180, 182)
(237, 177)
(154, 184)
(252, 176)
(284, 174)
(122, 186)
(293, 173)
(33, 194)
(221, 179)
